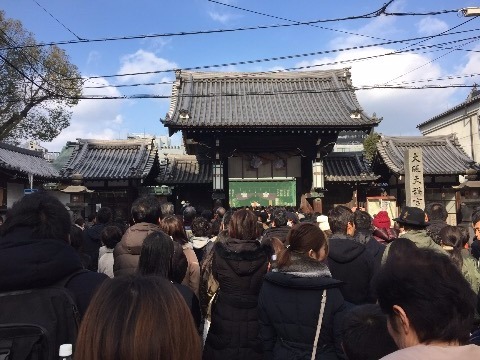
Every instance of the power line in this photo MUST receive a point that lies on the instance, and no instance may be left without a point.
(258, 27)
(442, 33)
(58, 21)
(448, 77)
(294, 21)
(294, 56)
(271, 93)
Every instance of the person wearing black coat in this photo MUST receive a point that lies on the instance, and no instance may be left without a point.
(239, 264)
(92, 236)
(364, 235)
(35, 253)
(348, 260)
(290, 301)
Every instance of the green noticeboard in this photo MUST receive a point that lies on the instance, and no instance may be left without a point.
(277, 193)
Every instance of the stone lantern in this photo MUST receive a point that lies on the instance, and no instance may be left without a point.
(77, 195)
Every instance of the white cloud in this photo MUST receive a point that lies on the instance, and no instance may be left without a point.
(223, 18)
(402, 110)
(93, 119)
(143, 61)
(431, 26)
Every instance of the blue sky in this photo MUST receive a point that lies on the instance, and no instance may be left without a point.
(401, 109)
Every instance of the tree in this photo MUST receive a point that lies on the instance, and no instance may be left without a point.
(38, 86)
(370, 145)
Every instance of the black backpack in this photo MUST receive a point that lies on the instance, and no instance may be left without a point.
(34, 323)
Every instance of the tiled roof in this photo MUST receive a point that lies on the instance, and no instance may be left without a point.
(184, 169)
(346, 167)
(442, 155)
(110, 159)
(26, 162)
(472, 98)
(289, 99)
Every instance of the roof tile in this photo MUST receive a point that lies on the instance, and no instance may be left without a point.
(110, 159)
(26, 161)
(442, 155)
(309, 98)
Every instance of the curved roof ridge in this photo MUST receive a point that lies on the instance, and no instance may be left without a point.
(184, 74)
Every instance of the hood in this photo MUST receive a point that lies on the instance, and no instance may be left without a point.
(199, 241)
(244, 257)
(27, 263)
(304, 266)
(292, 280)
(344, 249)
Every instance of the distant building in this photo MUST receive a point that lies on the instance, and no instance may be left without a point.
(33, 145)
(462, 120)
(163, 142)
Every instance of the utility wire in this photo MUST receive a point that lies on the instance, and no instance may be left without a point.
(258, 27)
(58, 21)
(442, 33)
(271, 93)
(295, 21)
(285, 57)
(448, 77)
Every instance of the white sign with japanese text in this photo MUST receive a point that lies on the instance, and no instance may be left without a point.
(414, 186)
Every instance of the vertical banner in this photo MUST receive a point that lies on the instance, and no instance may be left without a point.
(414, 186)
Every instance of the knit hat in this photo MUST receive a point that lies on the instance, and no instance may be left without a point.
(322, 221)
(381, 220)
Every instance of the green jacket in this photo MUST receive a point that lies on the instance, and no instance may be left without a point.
(420, 238)
(471, 271)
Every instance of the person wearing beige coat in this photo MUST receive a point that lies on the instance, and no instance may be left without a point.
(173, 226)
(192, 277)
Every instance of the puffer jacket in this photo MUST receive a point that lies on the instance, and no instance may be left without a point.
(289, 306)
(127, 252)
(239, 267)
(385, 235)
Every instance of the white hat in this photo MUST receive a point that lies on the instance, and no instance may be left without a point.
(322, 221)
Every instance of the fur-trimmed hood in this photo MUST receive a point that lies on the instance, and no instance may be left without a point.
(303, 273)
(304, 266)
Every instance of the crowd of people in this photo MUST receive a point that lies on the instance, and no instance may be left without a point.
(253, 283)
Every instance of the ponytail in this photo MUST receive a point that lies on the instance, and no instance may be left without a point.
(282, 252)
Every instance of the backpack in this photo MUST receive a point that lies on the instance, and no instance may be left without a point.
(35, 322)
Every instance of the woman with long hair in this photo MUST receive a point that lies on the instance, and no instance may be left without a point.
(452, 240)
(163, 257)
(300, 304)
(137, 317)
(239, 264)
(173, 226)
